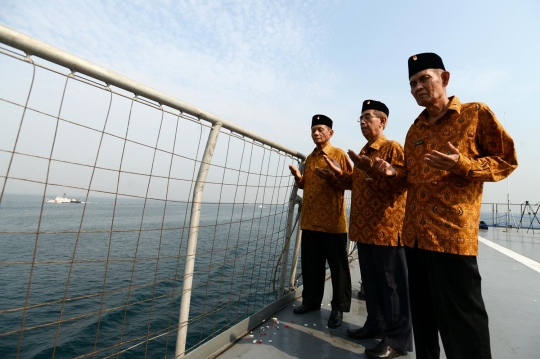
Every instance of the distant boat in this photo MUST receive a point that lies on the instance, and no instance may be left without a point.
(261, 206)
(63, 199)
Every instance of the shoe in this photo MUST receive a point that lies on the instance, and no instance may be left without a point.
(303, 309)
(362, 334)
(361, 296)
(335, 319)
(384, 351)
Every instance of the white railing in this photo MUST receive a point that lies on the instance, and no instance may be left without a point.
(521, 217)
(183, 219)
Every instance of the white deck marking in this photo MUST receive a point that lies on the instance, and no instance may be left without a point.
(534, 265)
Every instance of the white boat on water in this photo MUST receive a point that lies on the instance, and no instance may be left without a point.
(63, 199)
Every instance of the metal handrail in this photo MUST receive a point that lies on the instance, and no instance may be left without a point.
(32, 46)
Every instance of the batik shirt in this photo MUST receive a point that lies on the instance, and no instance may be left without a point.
(323, 207)
(443, 207)
(377, 203)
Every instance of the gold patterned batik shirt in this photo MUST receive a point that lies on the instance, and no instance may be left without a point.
(323, 207)
(443, 207)
(377, 204)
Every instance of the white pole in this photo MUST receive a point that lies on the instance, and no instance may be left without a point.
(507, 189)
(287, 244)
(297, 243)
(507, 203)
(192, 241)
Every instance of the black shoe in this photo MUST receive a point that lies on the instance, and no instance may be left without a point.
(361, 293)
(362, 334)
(384, 351)
(303, 309)
(335, 319)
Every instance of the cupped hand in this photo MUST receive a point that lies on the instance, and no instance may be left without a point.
(332, 163)
(363, 162)
(295, 172)
(443, 161)
(383, 167)
(322, 173)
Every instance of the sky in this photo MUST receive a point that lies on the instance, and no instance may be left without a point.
(269, 66)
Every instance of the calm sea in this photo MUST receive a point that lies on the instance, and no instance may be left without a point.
(237, 252)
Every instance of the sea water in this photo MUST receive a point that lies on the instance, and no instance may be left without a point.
(235, 265)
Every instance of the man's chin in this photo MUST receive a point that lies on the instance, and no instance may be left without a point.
(424, 101)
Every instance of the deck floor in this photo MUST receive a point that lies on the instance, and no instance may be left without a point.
(511, 291)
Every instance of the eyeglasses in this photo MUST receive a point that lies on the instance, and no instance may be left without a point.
(366, 117)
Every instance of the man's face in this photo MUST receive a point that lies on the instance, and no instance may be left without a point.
(370, 124)
(321, 134)
(427, 87)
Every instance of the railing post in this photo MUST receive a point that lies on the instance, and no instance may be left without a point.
(297, 199)
(351, 246)
(293, 199)
(295, 257)
(192, 240)
(287, 243)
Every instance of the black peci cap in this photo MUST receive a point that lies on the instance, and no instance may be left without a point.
(421, 62)
(375, 105)
(321, 120)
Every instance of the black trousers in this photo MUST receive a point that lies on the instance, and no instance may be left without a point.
(317, 248)
(446, 298)
(384, 276)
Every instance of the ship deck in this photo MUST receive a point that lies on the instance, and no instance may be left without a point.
(510, 269)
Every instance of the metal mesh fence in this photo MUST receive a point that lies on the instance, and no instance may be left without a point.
(103, 277)
(524, 216)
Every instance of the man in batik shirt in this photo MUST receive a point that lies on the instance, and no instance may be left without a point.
(377, 212)
(324, 227)
(451, 149)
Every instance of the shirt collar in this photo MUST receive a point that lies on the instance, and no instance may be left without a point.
(378, 143)
(454, 105)
(325, 150)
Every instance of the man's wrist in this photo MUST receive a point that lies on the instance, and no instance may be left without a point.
(462, 166)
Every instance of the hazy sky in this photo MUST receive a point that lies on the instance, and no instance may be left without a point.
(270, 65)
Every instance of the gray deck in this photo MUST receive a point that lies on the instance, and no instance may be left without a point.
(511, 292)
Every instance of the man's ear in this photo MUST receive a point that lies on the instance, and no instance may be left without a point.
(383, 121)
(445, 76)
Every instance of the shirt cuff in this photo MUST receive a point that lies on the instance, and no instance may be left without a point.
(462, 167)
